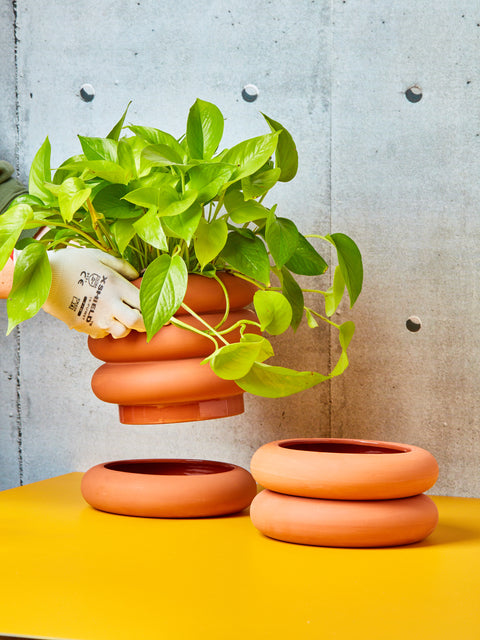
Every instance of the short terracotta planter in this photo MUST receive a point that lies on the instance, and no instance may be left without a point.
(163, 381)
(168, 488)
(344, 469)
(344, 523)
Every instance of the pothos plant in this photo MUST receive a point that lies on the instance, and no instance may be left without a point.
(173, 206)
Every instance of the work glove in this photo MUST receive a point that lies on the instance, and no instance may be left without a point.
(91, 293)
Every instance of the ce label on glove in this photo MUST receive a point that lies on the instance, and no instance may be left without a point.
(86, 308)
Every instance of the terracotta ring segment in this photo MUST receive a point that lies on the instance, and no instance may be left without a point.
(160, 382)
(170, 342)
(342, 469)
(168, 488)
(344, 523)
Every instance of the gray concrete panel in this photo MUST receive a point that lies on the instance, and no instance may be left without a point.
(8, 103)
(10, 437)
(10, 428)
(404, 184)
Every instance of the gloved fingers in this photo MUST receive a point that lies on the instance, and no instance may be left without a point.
(128, 293)
(94, 332)
(131, 318)
(118, 330)
(120, 266)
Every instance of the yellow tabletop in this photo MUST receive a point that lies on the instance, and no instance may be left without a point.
(68, 571)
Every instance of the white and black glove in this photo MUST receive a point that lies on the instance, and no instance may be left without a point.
(91, 293)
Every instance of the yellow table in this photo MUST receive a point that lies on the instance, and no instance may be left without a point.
(68, 571)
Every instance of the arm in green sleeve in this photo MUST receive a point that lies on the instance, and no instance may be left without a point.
(9, 187)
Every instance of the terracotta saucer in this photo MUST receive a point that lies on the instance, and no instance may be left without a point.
(168, 488)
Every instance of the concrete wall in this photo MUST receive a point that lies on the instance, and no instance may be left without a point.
(398, 176)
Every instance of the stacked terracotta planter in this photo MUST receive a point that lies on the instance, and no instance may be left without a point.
(344, 493)
(163, 381)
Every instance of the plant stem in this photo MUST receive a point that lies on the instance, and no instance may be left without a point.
(204, 322)
(324, 293)
(219, 205)
(227, 301)
(314, 235)
(93, 213)
(240, 323)
(95, 221)
(98, 245)
(237, 274)
(185, 325)
(315, 313)
(107, 236)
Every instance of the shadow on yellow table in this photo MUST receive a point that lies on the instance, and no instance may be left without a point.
(69, 571)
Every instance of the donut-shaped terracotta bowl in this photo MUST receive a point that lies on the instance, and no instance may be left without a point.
(168, 488)
(344, 523)
(343, 469)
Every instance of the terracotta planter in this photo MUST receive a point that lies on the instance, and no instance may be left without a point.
(163, 381)
(343, 523)
(341, 469)
(168, 488)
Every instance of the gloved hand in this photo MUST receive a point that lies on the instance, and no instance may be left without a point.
(91, 293)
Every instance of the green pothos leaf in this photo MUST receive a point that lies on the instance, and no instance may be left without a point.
(162, 291)
(117, 129)
(249, 156)
(334, 294)
(294, 294)
(346, 332)
(12, 223)
(235, 360)
(273, 310)
(40, 173)
(209, 239)
(248, 255)
(277, 382)
(204, 129)
(32, 279)
(282, 238)
(350, 263)
(286, 156)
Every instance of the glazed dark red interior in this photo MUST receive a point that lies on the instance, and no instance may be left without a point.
(341, 447)
(170, 467)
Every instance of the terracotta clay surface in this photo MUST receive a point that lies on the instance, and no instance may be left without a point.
(160, 382)
(205, 294)
(344, 523)
(169, 343)
(342, 469)
(163, 381)
(6, 278)
(168, 488)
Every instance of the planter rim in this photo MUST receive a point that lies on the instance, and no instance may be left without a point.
(343, 446)
(184, 466)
